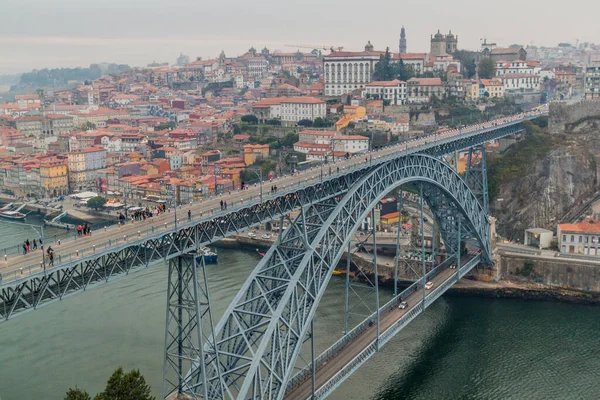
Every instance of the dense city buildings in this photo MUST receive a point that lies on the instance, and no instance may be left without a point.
(196, 125)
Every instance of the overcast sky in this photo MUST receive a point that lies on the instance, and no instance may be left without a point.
(55, 33)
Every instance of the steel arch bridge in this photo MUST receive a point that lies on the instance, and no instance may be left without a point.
(262, 332)
(252, 351)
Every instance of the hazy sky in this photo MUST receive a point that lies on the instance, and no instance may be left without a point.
(55, 33)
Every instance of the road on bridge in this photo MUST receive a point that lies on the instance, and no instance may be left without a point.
(68, 251)
(355, 347)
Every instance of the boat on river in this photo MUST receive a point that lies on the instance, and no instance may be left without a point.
(13, 215)
(208, 255)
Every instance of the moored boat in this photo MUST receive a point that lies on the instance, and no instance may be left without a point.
(208, 255)
(13, 215)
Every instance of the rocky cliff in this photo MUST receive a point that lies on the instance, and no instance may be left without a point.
(546, 174)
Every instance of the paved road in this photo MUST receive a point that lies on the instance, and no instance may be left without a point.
(352, 349)
(16, 267)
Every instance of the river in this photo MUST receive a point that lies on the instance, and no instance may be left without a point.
(460, 348)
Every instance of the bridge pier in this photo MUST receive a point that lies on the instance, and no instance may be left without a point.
(188, 328)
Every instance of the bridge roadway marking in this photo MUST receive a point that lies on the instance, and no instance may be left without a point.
(19, 266)
(353, 348)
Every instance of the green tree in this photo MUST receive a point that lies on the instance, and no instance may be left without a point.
(384, 70)
(125, 386)
(321, 123)
(96, 202)
(88, 126)
(250, 119)
(305, 122)
(289, 140)
(487, 68)
(77, 394)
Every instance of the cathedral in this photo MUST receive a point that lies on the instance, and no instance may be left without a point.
(442, 45)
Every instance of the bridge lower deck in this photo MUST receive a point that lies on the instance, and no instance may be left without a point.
(355, 347)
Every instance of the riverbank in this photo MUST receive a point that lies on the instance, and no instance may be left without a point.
(469, 286)
(73, 215)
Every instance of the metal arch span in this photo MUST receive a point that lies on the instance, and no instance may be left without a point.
(261, 334)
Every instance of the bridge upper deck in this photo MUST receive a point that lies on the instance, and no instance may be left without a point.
(16, 269)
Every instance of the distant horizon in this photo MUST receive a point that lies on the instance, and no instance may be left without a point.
(36, 34)
(192, 57)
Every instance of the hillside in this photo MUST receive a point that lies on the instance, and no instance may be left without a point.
(543, 176)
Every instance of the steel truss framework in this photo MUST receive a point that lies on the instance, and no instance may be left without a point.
(261, 333)
(36, 290)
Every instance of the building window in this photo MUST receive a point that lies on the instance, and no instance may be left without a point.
(580, 239)
(572, 238)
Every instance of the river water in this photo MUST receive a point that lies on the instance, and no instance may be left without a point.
(460, 348)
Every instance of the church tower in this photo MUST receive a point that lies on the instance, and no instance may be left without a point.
(402, 41)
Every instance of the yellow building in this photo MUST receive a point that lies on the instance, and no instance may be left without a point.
(472, 89)
(252, 152)
(54, 177)
(355, 111)
(389, 219)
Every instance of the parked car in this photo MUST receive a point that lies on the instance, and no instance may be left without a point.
(251, 234)
(428, 285)
(266, 236)
(403, 305)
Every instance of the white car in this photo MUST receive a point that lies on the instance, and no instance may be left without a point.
(403, 305)
(428, 285)
(266, 236)
(251, 234)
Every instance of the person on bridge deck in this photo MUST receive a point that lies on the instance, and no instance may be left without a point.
(28, 245)
(34, 244)
(221, 202)
(190, 215)
(24, 248)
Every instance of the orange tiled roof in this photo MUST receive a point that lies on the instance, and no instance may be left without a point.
(586, 226)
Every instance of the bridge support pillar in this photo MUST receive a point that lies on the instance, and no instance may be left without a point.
(187, 319)
(476, 175)
(398, 235)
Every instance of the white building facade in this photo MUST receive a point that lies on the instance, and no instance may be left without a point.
(346, 71)
(514, 82)
(393, 91)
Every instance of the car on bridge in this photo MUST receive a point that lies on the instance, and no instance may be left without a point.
(251, 234)
(428, 285)
(403, 305)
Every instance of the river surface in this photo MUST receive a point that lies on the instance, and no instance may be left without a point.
(460, 348)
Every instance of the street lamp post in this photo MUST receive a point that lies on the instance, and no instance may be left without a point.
(259, 174)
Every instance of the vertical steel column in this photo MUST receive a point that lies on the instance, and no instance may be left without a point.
(476, 177)
(397, 263)
(186, 358)
(459, 247)
(312, 357)
(433, 243)
(422, 241)
(485, 202)
(347, 298)
(376, 273)
(167, 318)
(180, 324)
(199, 321)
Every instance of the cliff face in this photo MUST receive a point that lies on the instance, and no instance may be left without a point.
(551, 184)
